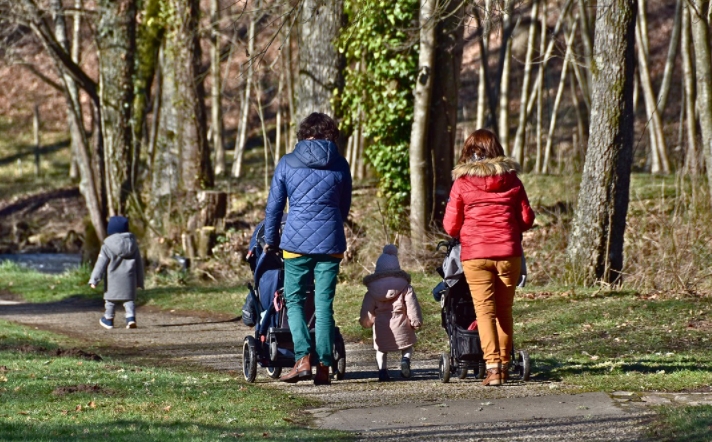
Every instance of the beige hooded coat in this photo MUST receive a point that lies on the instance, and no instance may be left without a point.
(391, 308)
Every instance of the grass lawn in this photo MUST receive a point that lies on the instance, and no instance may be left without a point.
(51, 391)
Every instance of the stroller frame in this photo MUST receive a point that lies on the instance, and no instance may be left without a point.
(271, 345)
(457, 313)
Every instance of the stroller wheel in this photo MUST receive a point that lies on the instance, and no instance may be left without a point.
(444, 368)
(523, 365)
(274, 372)
(339, 366)
(249, 359)
(462, 372)
(481, 370)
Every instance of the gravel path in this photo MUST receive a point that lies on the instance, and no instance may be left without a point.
(420, 408)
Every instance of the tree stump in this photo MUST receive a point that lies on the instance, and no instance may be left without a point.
(207, 238)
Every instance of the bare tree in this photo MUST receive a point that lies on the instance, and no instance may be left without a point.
(320, 63)
(116, 42)
(518, 149)
(688, 75)
(419, 133)
(596, 241)
(216, 120)
(699, 11)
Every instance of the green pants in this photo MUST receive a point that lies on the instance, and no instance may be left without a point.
(299, 275)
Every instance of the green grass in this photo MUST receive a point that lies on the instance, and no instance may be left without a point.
(49, 397)
(686, 423)
(161, 292)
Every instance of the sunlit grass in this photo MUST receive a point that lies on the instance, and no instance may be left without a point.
(48, 397)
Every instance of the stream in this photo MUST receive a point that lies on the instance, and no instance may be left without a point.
(45, 262)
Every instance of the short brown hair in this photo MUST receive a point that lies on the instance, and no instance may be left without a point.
(318, 126)
(481, 143)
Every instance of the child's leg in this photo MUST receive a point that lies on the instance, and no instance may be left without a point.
(406, 353)
(130, 308)
(382, 360)
(109, 306)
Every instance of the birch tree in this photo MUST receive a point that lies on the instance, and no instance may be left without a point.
(418, 139)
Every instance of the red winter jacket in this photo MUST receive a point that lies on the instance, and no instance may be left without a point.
(488, 209)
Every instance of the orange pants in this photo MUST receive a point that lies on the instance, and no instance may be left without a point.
(492, 283)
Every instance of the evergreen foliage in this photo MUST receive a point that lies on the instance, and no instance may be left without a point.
(380, 45)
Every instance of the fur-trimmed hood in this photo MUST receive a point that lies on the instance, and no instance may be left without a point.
(486, 168)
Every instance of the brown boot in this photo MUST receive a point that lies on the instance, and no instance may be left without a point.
(300, 372)
(322, 375)
(494, 377)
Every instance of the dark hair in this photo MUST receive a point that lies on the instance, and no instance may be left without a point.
(318, 126)
(483, 143)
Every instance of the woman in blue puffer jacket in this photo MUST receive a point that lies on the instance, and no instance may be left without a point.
(316, 181)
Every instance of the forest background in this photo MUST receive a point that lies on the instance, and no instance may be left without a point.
(177, 111)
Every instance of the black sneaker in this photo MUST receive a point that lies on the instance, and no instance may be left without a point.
(131, 322)
(383, 375)
(405, 367)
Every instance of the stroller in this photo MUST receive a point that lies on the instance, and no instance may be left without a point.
(271, 345)
(459, 321)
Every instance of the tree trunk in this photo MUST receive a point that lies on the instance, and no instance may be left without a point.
(670, 61)
(699, 10)
(245, 108)
(182, 164)
(87, 183)
(418, 150)
(76, 56)
(442, 122)
(503, 74)
(557, 100)
(116, 43)
(518, 150)
(216, 120)
(540, 89)
(596, 242)
(320, 64)
(658, 148)
(149, 38)
(587, 39)
(485, 24)
(688, 74)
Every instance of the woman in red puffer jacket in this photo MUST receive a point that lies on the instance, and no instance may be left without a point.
(488, 210)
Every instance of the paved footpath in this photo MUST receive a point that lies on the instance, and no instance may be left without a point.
(421, 408)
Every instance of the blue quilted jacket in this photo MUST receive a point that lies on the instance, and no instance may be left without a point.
(317, 181)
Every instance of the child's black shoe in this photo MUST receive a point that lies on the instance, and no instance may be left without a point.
(383, 375)
(405, 367)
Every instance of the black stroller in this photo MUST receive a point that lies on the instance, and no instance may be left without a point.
(265, 309)
(458, 320)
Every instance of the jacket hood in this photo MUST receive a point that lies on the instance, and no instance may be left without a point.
(316, 154)
(122, 244)
(387, 288)
(486, 168)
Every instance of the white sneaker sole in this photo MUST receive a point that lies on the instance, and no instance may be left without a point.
(131, 325)
(108, 327)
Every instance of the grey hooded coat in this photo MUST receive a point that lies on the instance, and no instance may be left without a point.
(120, 260)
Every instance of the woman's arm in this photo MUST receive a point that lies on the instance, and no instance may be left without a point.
(276, 202)
(454, 212)
(527, 213)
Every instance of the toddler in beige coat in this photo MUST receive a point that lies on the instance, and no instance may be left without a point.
(391, 308)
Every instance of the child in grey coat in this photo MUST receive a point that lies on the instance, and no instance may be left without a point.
(120, 259)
